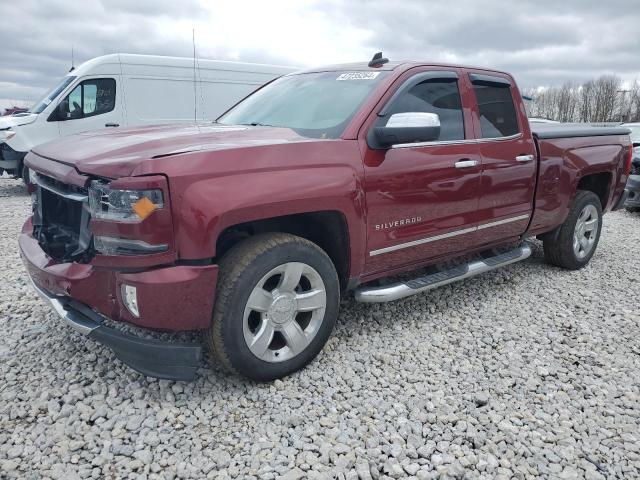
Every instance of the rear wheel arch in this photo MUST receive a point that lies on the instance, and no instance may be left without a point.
(598, 183)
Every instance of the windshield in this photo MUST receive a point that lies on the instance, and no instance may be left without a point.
(316, 105)
(50, 97)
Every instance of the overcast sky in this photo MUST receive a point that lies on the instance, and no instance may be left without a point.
(542, 42)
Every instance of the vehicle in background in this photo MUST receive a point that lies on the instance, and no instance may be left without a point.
(334, 179)
(122, 90)
(541, 120)
(633, 184)
(14, 110)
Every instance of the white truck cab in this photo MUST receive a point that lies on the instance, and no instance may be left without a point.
(120, 90)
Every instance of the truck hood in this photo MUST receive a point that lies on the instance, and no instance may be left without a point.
(114, 153)
(16, 120)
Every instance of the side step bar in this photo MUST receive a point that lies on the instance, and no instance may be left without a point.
(396, 291)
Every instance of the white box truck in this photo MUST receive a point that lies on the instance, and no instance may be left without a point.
(126, 90)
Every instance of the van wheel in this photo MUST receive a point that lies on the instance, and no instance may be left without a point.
(277, 301)
(576, 242)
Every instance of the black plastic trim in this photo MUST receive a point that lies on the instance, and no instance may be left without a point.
(154, 358)
(415, 80)
(489, 80)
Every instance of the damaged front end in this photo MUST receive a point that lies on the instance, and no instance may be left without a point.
(61, 219)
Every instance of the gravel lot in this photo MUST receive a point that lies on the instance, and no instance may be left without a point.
(527, 371)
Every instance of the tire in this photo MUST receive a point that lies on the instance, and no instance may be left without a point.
(632, 209)
(270, 337)
(577, 239)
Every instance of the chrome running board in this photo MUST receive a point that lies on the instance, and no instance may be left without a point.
(396, 291)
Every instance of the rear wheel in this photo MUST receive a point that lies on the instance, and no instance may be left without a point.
(578, 237)
(276, 305)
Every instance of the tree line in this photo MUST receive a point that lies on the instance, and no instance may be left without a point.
(605, 99)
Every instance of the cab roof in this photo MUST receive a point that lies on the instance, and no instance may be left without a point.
(401, 66)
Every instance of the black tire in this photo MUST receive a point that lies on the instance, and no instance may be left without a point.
(241, 270)
(558, 249)
(632, 209)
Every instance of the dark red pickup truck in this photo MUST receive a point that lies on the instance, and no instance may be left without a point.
(324, 181)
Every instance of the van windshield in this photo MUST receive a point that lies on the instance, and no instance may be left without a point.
(51, 96)
(316, 105)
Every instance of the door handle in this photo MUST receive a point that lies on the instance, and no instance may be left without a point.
(466, 163)
(111, 124)
(524, 158)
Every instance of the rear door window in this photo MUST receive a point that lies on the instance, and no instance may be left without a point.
(498, 116)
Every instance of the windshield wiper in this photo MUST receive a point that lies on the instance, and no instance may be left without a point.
(256, 124)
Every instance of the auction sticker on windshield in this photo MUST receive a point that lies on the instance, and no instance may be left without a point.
(358, 76)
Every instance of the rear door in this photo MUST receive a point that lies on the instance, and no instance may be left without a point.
(422, 198)
(509, 159)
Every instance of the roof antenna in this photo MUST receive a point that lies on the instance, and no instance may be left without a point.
(195, 94)
(378, 61)
(72, 63)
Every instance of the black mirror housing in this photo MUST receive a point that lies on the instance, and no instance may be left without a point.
(388, 136)
(59, 114)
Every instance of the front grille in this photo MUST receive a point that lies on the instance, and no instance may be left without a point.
(61, 219)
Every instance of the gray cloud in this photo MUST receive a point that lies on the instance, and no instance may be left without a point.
(542, 42)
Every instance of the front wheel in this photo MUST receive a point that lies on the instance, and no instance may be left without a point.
(277, 301)
(576, 242)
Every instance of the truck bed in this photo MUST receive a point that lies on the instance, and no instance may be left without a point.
(568, 152)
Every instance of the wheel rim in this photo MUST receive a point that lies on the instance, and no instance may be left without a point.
(284, 312)
(586, 231)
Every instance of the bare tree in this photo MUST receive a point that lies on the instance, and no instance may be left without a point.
(604, 99)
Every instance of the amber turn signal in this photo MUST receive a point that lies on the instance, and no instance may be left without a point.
(144, 207)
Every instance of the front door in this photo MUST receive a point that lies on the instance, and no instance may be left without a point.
(422, 198)
(91, 105)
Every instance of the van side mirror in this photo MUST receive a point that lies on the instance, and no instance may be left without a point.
(62, 111)
(408, 127)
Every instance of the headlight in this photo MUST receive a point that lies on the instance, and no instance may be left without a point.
(122, 205)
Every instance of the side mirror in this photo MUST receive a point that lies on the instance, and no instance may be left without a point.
(409, 127)
(62, 111)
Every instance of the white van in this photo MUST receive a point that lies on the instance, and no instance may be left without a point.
(123, 90)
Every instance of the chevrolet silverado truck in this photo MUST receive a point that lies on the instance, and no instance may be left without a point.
(335, 179)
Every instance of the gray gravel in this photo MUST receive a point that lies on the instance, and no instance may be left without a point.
(526, 371)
